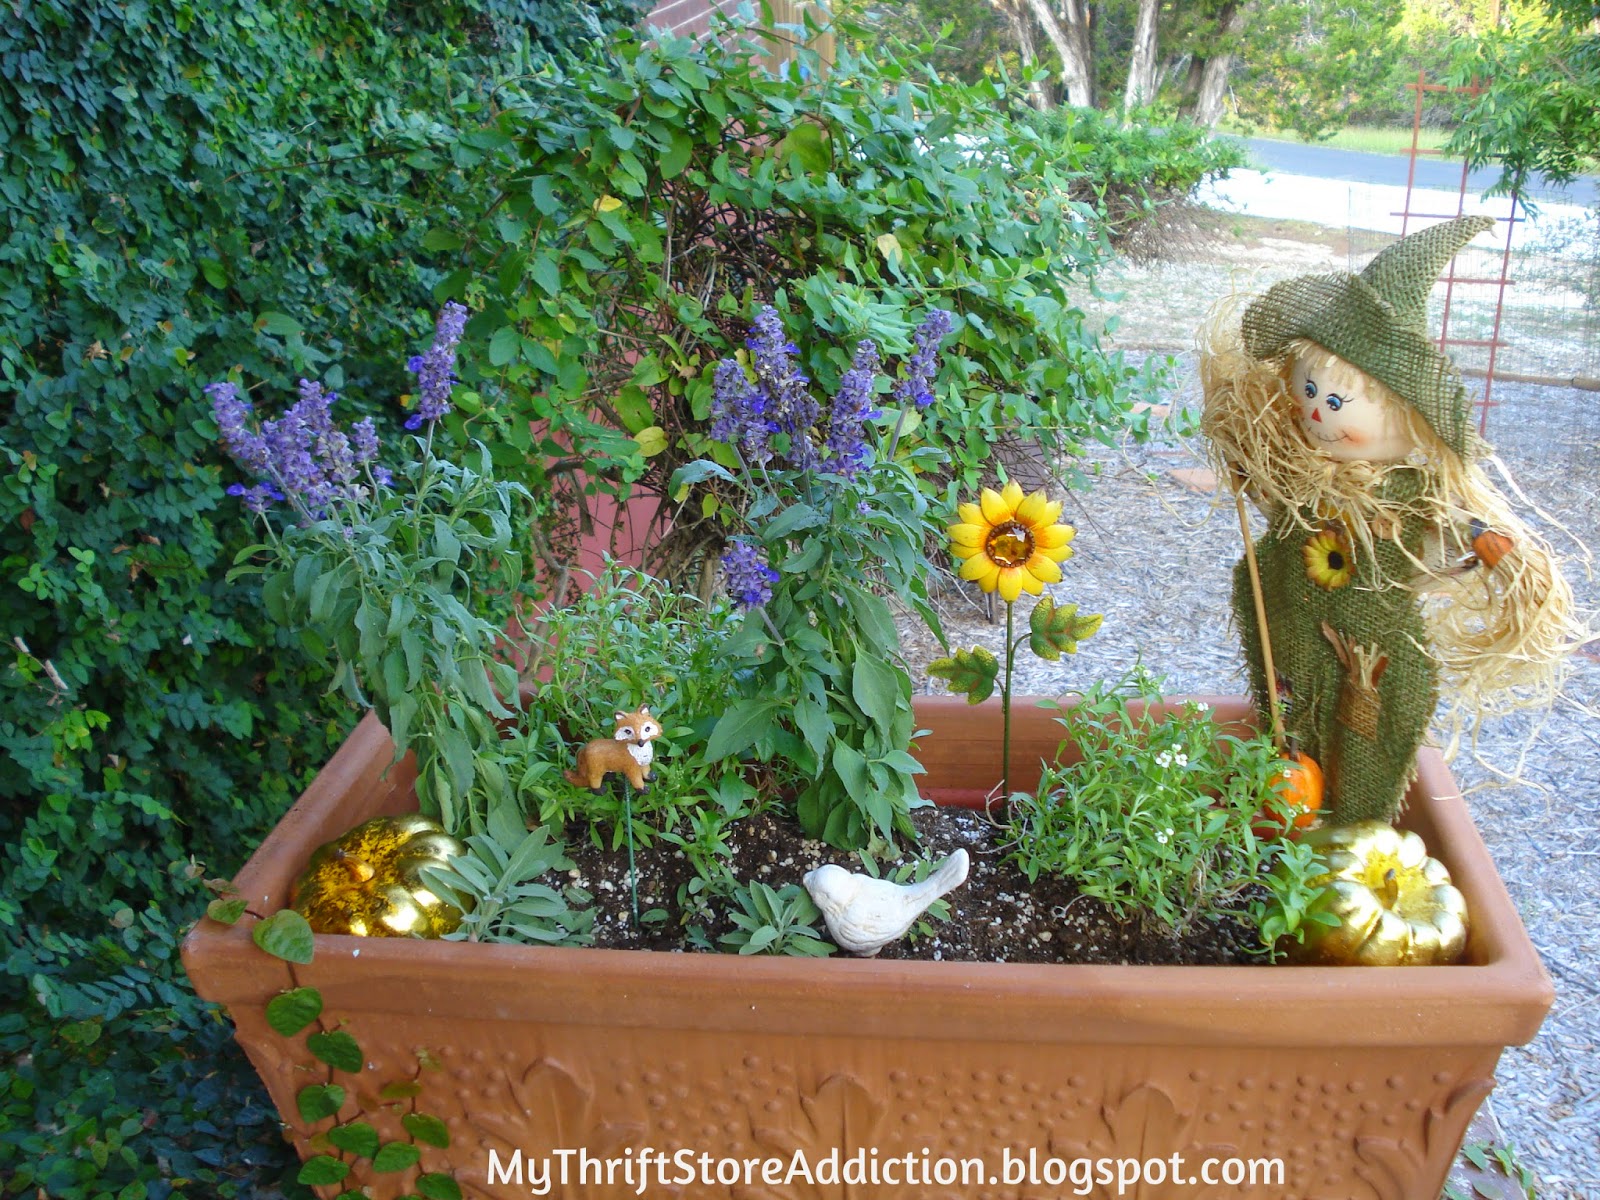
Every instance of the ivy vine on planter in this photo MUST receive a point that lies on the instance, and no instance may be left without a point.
(350, 1150)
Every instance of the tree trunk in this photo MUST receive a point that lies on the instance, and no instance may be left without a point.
(1072, 44)
(1141, 89)
(1214, 76)
(1016, 18)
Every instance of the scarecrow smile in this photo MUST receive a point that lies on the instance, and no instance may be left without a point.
(1312, 433)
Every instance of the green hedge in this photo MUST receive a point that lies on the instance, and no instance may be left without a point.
(187, 188)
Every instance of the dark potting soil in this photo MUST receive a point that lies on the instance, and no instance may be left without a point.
(996, 916)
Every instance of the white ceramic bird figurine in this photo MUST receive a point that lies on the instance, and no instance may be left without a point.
(865, 914)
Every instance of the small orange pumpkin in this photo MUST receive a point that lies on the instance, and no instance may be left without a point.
(1297, 797)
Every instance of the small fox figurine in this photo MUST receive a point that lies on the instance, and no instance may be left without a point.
(627, 751)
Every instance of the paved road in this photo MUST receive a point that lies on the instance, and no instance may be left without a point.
(1324, 162)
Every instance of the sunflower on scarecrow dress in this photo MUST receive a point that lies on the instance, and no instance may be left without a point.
(1392, 567)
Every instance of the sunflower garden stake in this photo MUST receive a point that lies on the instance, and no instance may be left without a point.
(1011, 543)
(1391, 564)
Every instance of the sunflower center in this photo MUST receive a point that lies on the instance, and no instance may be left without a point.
(1335, 561)
(1010, 545)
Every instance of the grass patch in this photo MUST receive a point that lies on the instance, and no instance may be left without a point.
(1373, 139)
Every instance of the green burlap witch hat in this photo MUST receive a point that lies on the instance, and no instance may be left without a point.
(1377, 320)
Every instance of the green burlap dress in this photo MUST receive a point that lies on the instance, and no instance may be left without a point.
(1362, 721)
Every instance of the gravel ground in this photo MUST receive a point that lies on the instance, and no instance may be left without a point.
(1154, 554)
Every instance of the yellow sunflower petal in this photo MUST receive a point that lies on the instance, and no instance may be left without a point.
(1042, 567)
(1012, 495)
(995, 509)
(1011, 579)
(957, 550)
(1058, 554)
(1053, 537)
(1051, 512)
(970, 513)
(1032, 507)
(981, 570)
(967, 535)
(1031, 583)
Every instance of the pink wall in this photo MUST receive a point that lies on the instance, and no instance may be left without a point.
(687, 16)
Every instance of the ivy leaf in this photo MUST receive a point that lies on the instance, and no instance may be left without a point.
(1056, 631)
(285, 935)
(438, 1187)
(428, 1130)
(290, 1012)
(226, 910)
(396, 1156)
(969, 672)
(322, 1170)
(338, 1049)
(356, 1138)
(319, 1100)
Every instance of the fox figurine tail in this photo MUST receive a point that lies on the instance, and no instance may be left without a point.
(628, 752)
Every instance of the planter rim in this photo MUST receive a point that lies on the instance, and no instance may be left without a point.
(1498, 999)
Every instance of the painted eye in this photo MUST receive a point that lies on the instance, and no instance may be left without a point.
(625, 734)
(1311, 390)
(1335, 403)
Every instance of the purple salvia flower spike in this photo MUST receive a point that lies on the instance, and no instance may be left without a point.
(435, 370)
(750, 579)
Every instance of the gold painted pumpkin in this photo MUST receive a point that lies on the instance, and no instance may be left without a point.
(368, 882)
(1395, 905)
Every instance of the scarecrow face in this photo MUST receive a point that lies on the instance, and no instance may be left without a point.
(1346, 414)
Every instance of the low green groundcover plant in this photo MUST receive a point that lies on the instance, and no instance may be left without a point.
(1156, 819)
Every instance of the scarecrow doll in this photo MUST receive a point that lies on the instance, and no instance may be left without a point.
(1392, 566)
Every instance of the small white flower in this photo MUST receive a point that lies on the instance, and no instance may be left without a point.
(1164, 759)
(1162, 837)
(1201, 706)
(1181, 759)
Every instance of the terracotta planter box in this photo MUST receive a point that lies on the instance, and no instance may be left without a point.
(1362, 1082)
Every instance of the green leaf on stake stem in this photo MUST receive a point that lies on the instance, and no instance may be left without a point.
(290, 1012)
(285, 935)
(969, 672)
(1056, 631)
(338, 1049)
